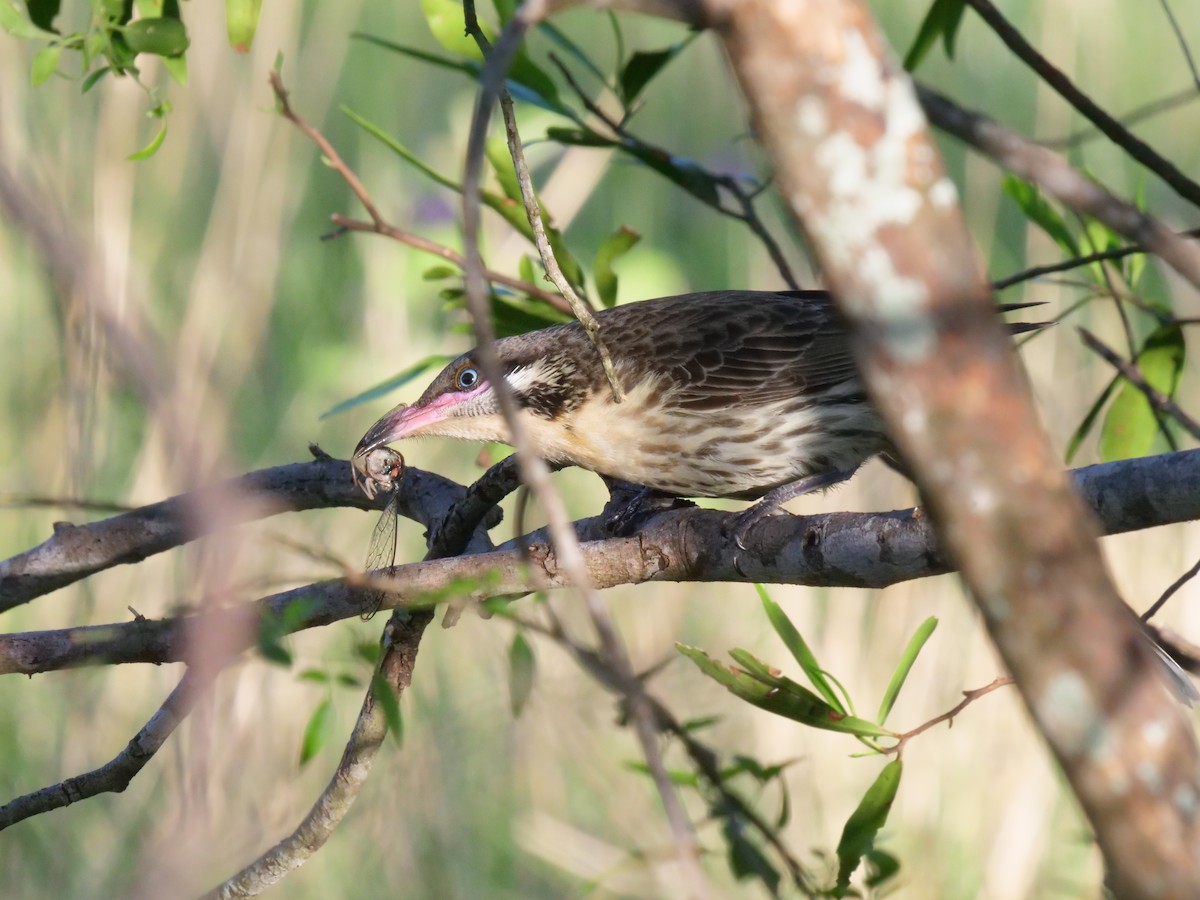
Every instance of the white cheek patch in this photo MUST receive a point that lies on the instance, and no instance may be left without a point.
(519, 380)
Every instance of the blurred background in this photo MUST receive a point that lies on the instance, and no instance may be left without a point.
(214, 243)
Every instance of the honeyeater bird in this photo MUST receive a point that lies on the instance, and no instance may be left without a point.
(740, 394)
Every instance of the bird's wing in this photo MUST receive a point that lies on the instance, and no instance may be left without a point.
(744, 347)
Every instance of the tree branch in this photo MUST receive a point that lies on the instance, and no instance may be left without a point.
(866, 550)
(1120, 135)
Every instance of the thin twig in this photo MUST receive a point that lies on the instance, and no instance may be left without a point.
(380, 225)
(969, 697)
(534, 472)
(1054, 174)
(1170, 591)
(702, 756)
(533, 213)
(1140, 114)
(394, 672)
(116, 774)
(1183, 44)
(1077, 262)
(748, 214)
(1132, 374)
(453, 257)
(1120, 135)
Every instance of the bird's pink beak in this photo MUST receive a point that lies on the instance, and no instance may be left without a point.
(406, 421)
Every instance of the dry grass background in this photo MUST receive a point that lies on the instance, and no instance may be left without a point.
(214, 240)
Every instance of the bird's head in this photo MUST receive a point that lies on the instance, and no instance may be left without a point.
(544, 380)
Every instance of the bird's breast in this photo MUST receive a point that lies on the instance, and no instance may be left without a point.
(742, 449)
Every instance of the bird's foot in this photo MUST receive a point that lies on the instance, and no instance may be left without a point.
(773, 500)
(743, 523)
(629, 511)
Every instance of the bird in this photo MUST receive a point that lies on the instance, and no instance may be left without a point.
(749, 395)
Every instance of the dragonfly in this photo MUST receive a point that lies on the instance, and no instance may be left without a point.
(379, 471)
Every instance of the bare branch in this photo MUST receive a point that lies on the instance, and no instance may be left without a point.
(75, 552)
(1053, 174)
(1170, 591)
(533, 213)
(868, 550)
(1120, 135)
(853, 158)
(534, 472)
(393, 673)
(115, 775)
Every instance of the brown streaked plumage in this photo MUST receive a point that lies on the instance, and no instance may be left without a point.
(740, 394)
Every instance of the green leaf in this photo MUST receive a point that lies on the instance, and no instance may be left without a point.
(176, 67)
(317, 675)
(387, 386)
(345, 679)
(525, 80)
(779, 695)
(14, 20)
(271, 631)
(448, 25)
(799, 649)
(614, 246)
(1089, 420)
(746, 860)
(858, 836)
(439, 273)
(45, 64)
(92, 79)
(386, 698)
(920, 636)
(1130, 427)
(678, 777)
(641, 69)
(241, 22)
(317, 731)
(942, 21)
(521, 669)
(512, 317)
(1039, 211)
(882, 867)
(496, 151)
(161, 37)
(42, 12)
(578, 137)
(151, 148)
(399, 149)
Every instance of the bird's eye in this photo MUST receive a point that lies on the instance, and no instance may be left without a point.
(467, 379)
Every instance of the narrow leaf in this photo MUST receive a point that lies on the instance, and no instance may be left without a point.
(387, 386)
(42, 12)
(317, 731)
(45, 63)
(1089, 420)
(614, 246)
(641, 69)
(780, 696)
(15, 22)
(399, 149)
(907, 659)
(858, 836)
(746, 860)
(151, 148)
(386, 698)
(942, 21)
(1131, 425)
(241, 22)
(521, 670)
(1039, 211)
(799, 649)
